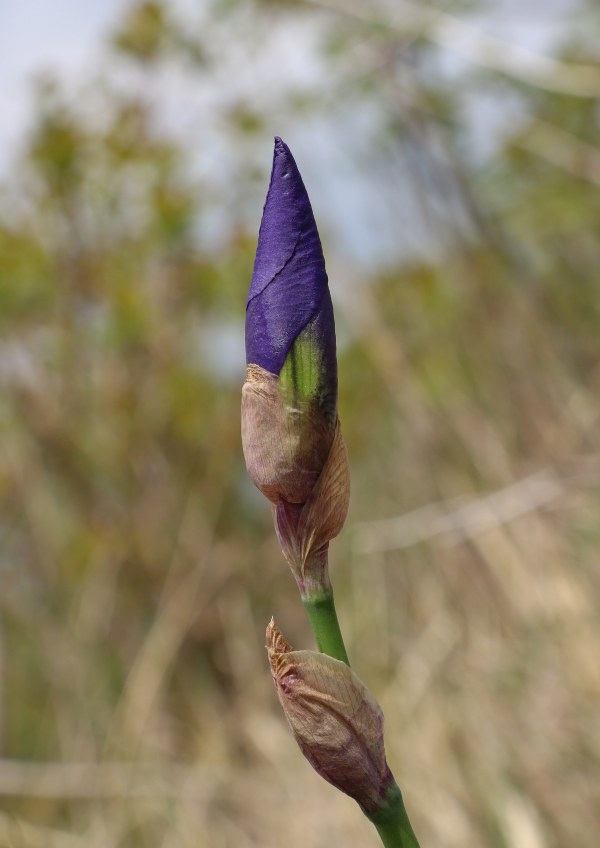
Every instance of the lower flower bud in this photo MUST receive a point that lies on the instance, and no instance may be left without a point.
(335, 720)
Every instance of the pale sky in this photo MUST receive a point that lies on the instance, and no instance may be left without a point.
(37, 35)
(65, 37)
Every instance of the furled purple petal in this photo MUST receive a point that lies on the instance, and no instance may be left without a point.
(289, 283)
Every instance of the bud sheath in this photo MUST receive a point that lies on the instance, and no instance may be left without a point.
(336, 721)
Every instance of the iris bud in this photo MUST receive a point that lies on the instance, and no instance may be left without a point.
(336, 721)
(291, 435)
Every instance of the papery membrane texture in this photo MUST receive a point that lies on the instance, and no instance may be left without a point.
(335, 719)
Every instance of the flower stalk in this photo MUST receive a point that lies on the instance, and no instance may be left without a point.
(392, 822)
(325, 625)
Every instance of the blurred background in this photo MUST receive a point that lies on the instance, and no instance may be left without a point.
(451, 151)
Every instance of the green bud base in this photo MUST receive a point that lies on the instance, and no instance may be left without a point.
(325, 625)
(391, 821)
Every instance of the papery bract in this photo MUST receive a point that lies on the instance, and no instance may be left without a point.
(335, 720)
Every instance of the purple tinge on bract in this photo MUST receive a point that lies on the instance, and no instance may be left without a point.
(289, 282)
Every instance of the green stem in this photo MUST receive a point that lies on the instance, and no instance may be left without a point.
(392, 823)
(325, 625)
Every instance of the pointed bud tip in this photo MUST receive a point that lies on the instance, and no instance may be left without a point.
(281, 149)
(270, 633)
(276, 644)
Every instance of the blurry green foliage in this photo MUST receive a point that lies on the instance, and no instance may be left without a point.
(149, 33)
(144, 31)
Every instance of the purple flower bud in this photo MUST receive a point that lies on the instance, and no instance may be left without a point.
(291, 435)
